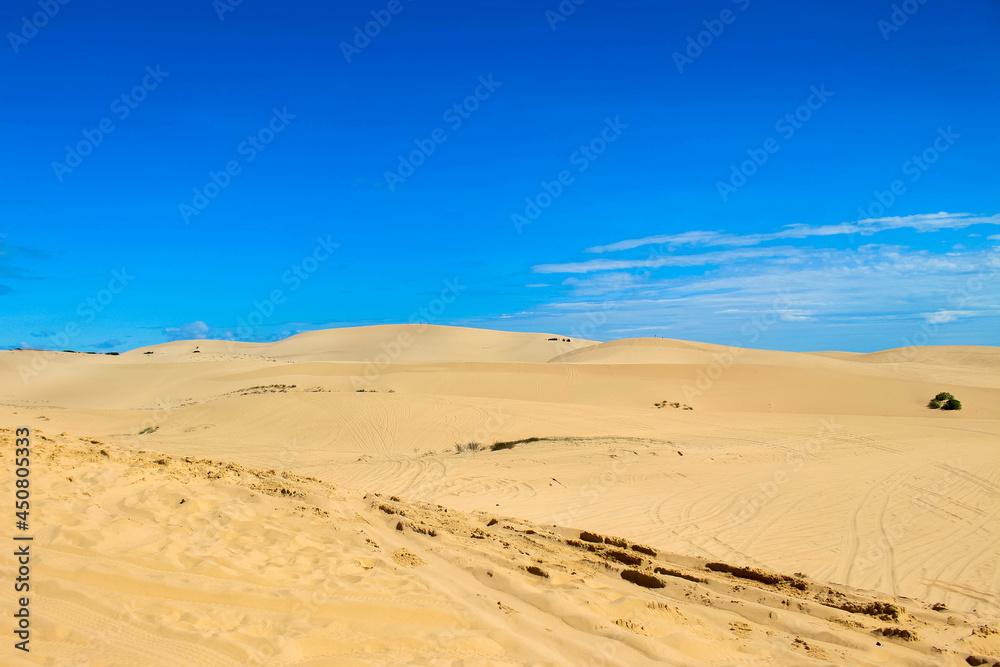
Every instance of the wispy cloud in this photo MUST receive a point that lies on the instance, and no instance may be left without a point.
(821, 283)
(945, 316)
(928, 222)
(716, 258)
(197, 330)
(703, 283)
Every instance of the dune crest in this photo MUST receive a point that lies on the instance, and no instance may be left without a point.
(829, 465)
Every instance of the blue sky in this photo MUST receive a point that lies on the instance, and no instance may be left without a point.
(763, 174)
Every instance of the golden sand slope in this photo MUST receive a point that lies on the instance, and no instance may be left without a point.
(147, 559)
(827, 463)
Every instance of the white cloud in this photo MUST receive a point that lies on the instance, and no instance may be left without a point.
(691, 238)
(927, 222)
(631, 329)
(874, 288)
(703, 259)
(190, 331)
(795, 315)
(720, 287)
(945, 316)
(604, 283)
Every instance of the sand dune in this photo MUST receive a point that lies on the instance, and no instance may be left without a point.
(827, 464)
(159, 560)
(398, 343)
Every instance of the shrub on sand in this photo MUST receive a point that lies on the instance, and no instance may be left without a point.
(944, 401)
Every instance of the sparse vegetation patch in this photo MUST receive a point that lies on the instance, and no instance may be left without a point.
(669, 404)
(263, 389)
(944, 401)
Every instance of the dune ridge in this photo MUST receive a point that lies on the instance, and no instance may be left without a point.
(825, 464)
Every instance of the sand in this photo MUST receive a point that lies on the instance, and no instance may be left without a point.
(247, 504)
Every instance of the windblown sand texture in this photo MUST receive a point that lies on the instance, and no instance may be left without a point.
(246, 504)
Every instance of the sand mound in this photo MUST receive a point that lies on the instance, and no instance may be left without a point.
(396, 343)
(144, 558)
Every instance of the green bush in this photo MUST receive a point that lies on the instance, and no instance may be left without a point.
(502, 445)
(944, 401)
